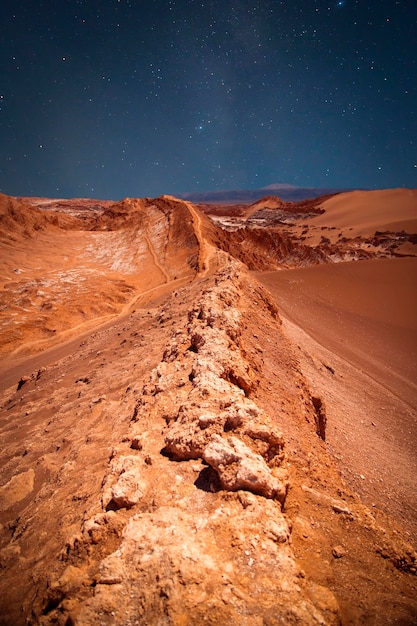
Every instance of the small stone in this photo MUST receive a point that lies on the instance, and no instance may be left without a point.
(99, 399)
(339, 552)
(341, 510)
(41, 371)
(126, 492)
(22, 382)
(136, 443)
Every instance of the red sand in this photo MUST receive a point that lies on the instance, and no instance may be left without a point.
(364, 212)
(365, 311)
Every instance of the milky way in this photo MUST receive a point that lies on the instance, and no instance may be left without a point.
(122, 98)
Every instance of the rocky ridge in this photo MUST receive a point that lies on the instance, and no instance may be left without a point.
(173, 562)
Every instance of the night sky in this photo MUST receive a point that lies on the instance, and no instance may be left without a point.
(116, 98)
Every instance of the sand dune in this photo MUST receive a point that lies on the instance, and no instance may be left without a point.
(356, 328)
(364, 212)
(365, 310)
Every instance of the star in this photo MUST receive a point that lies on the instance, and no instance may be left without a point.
(251, 87)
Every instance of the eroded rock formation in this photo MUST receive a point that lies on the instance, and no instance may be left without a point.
(183, 558)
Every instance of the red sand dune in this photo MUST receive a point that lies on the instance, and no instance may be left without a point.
(364, 212)
(365, 310)
(356, 327)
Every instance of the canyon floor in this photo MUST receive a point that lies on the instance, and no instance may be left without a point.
(209, 413)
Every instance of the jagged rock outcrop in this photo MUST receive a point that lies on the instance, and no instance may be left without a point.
(239, 467)
(180, 556)
(125, 486)
(262, 249)
(217, 408)
(126, 252)
(18, 218)
(172, 568)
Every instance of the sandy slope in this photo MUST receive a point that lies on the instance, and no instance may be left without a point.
(366, 311)
(360, 320)
(364, 212)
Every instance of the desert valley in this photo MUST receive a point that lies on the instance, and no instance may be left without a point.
(209, 411)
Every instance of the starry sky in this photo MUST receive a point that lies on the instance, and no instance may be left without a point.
(115, 98)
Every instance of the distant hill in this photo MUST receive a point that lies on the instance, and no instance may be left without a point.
(248, 196)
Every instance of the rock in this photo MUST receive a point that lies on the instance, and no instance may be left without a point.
(97, 527)
(70, 580)
(127, 492)
(124, 486)
(188, 435)
(197, 341)
(277, 530)
(167, 564)
(240, 468)
(241, 376)
(207, 419)
(269, 443)
(112, 570)
(136, 443)
(342, 510)
(18, 488)
(9, 554)
(40, 371)
(339, 552)
(320, 416)
(23, 381)
(83, 379)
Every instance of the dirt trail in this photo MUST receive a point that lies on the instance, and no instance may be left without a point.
(14, 366)
(154, 257)
(209, 257)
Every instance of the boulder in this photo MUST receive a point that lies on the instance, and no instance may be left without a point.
(239, 467)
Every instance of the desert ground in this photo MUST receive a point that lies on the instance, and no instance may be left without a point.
(208, 413)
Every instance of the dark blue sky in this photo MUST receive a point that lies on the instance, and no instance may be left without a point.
(117, 98)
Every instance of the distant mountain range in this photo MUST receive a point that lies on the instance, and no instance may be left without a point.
(248, 196)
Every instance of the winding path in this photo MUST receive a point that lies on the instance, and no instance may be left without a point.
(154, 256)
(209, 254)
(12, 368)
